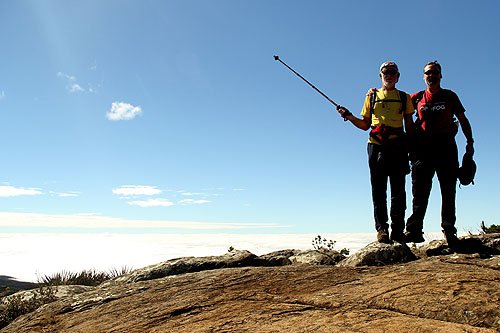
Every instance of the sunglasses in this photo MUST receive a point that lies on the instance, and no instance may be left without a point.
(390, 72)
(430, 72)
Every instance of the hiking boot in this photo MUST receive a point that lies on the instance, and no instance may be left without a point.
(451, 239)
(414, 237)
(397, 236)
(383, 236)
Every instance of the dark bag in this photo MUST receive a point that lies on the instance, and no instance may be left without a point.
(467, 171)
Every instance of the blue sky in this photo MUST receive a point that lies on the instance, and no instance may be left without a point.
(173, 115)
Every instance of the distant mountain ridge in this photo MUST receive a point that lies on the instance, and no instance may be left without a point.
(9, 285)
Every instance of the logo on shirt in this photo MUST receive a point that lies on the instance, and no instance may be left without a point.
(440, 106)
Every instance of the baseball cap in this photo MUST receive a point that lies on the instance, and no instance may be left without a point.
(389, 64)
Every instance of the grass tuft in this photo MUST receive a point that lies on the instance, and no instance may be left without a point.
(18, 305)
(89, 277)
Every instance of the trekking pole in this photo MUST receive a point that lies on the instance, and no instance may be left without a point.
(277, 58)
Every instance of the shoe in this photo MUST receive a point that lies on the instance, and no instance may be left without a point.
(383, 236)
(414, 237)
(451, 239)
(397, 236)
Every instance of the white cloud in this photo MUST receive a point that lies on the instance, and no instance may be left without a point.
(131, 190)
(73, 86)
(192, 193)
(11, 191)
(193, 202)
(66, 76)
(36, 250)
(123, 111)
(201, 194)
(2, 95)
(27, 220)
(152, 203)
(67, 194)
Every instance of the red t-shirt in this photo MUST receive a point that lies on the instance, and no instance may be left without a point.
(436, 111)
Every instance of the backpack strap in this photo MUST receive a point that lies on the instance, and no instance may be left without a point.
(419, 97)
(402, 97)
(373, 99)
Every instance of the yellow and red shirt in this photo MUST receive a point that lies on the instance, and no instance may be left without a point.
(387, 109)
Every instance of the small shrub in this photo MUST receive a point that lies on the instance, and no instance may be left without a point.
(115, 272)
(4, 291)
(491, 229)
(84, 278)
(319, 243)
(17, 305)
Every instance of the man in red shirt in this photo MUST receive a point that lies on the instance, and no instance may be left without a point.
(435, 152)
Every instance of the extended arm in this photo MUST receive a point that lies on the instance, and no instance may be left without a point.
(467, 130)
(361, 123)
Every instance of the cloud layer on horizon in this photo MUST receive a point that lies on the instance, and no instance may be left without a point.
(90, 221)
(12, 191)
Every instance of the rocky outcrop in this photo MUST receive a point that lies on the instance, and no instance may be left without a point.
(234, 258)
(379, 254)
(317, 257)
(56, 292)
(278, 258)
(304, 291)
(484, 245)
(455, 293)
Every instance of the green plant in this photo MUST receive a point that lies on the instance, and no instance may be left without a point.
(491, 229)
(85, 278)
(17, 305)
(319, 243)
(116, 272)
(4, 291)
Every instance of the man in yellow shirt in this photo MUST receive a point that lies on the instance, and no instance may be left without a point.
(385, 112)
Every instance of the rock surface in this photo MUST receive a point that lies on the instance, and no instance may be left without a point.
(57, 292)
(177, 266)
(379, 254)
(485, 245)
(456, 293)
(441, 293)
(315, 257)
